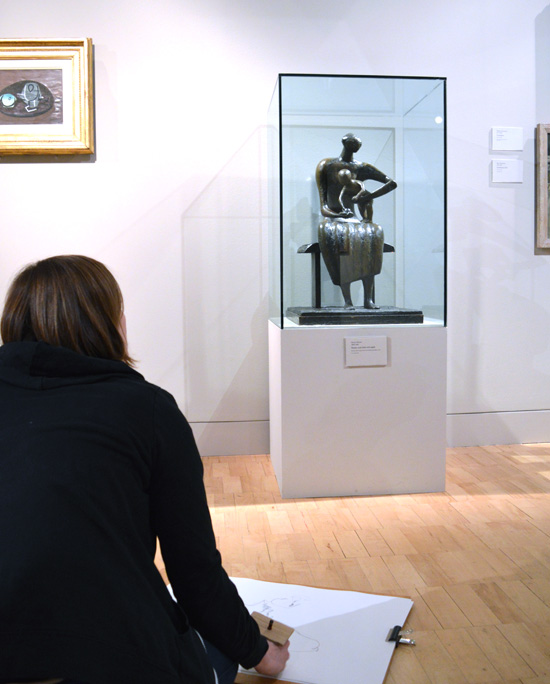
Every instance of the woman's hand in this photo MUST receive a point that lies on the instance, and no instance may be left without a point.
(274, 660)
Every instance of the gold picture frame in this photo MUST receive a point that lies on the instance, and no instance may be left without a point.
(543, 187)
(46, 96)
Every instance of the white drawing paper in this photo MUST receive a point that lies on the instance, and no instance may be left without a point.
(340, 636)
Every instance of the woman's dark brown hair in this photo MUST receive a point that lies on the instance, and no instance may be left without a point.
(67, 301)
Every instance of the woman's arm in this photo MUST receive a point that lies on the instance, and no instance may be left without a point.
(181, 520)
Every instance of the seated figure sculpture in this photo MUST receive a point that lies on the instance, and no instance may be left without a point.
(352, 249)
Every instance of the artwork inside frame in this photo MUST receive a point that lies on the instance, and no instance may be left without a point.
(46, 96)
(543, 187)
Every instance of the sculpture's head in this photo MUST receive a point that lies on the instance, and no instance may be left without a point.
(344, 176)
(351, 142)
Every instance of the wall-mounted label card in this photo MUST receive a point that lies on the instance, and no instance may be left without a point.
(366, 351)
(507, 138)
(507, 171)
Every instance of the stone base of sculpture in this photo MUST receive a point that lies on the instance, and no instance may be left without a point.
(345, 315)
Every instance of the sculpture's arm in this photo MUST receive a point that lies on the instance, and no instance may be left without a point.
(328, 213)
(346, 212)
(368, 172)
(321, 180)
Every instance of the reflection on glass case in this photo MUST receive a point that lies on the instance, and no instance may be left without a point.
(357, 200)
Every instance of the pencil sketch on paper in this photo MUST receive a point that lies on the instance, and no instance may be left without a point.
(268, 606)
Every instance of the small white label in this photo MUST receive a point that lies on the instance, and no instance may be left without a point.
(366, 351)
(507, 138)
(507, 171)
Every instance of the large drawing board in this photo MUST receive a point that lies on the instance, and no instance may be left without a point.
(340, 636)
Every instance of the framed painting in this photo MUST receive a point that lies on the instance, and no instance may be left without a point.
(543, 187)
(46, 96)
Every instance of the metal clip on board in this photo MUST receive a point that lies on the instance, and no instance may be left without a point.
(396, 634)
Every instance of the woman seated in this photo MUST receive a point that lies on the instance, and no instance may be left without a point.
(97, 463)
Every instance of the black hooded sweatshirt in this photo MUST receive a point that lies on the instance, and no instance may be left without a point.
(95, 464)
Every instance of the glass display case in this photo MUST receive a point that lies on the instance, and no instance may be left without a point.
(357, 201)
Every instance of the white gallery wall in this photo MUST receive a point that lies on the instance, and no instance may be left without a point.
(174, 201)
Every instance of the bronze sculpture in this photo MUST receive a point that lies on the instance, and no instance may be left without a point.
(352, 249)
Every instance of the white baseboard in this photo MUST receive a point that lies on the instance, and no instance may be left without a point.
(232, 438)
(515, 427)
(463, 429)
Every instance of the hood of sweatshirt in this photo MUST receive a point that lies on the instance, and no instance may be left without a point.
(37, 365)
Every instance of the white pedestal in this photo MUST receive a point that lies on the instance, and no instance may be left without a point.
(348, 431)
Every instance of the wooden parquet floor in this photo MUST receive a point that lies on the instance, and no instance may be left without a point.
(475, 559)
